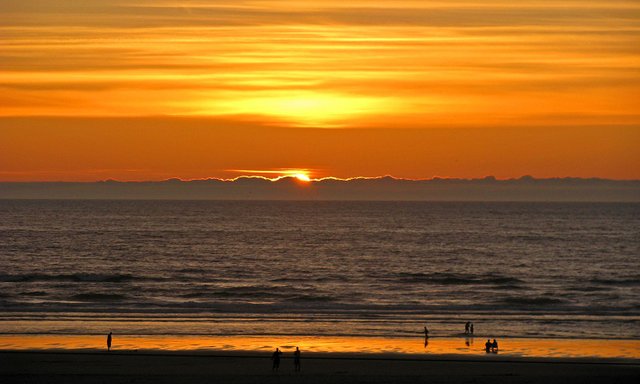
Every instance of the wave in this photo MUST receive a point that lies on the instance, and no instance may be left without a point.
(311, 298)
(72, 277)
(591, 288)
(306, 279)
(531, 301)
(246, 291)
(227, 295)
(458, 279)
(629, 282)
(269, 293)
(98, 297)
(190, 270)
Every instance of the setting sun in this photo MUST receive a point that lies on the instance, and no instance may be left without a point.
(302, 177)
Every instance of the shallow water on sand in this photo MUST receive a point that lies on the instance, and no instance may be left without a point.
(467, 346)
(368, 269)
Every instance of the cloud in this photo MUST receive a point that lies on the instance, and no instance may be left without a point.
(461, 64)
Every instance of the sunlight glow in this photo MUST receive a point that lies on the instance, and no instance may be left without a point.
(302, 177)
(302, 108)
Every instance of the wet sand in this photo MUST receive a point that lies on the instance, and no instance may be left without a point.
(207, 367)
(436, 346)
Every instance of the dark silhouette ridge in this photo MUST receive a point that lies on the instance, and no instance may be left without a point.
(289, 188)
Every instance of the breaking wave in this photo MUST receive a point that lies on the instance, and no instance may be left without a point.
(457, 279)
(72, 277)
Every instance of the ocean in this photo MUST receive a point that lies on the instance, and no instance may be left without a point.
(362, 269)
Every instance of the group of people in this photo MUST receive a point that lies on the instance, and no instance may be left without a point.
(491, 346)
(276, 359)
(468, 328)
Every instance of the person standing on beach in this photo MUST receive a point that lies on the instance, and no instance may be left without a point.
(426, 336)
(471, 328)
(466, 328)
(276, 360)
(296, 360)
(109, 338)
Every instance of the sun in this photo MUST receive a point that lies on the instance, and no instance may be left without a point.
(298, 174)
(302, 177)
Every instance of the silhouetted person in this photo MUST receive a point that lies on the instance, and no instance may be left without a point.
(296, 359)
(494, 346)
(109, 338)
(466, 328)
(471, 328)
(487, 346)
(426, 332)
(276, 359)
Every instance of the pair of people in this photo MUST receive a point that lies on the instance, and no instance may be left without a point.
(468, 328)
(276, 359)
(491, 346)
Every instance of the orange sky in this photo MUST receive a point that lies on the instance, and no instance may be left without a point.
(145, 90)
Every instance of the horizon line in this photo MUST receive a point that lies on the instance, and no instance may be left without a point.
(303, 178)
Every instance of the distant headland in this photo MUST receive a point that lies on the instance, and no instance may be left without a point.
(384, 188)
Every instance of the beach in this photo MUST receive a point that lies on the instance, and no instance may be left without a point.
(175, 367)
(84, 359)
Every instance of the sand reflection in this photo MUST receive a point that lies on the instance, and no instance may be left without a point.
(436, 346)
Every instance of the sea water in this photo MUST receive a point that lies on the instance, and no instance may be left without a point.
(361, 269)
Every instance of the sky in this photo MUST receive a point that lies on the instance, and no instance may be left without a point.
(156, 89)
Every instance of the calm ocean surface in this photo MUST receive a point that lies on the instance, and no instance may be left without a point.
(319, 268)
